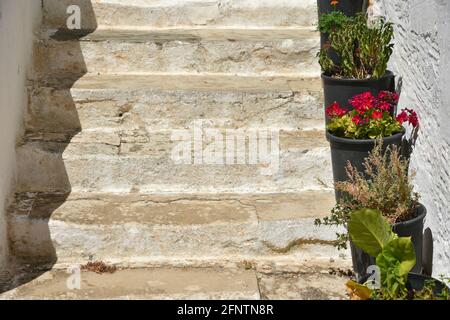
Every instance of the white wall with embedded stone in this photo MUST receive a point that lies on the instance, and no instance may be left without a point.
(422, 58)
(18, 20)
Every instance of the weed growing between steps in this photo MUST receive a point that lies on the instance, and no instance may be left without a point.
(98, 267)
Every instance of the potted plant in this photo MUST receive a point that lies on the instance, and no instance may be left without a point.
(395, 257)
(353, 131)
(384, 185)
(334, 13)
(348, 7)
(354, 59)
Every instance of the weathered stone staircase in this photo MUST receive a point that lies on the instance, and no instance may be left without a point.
(96, 177)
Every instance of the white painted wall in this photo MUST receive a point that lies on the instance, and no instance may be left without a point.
(18, 20)
(422, 57)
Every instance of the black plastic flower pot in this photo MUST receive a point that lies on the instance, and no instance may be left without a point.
(341, 90)
(412, 228)
(344, 150)
(417, 282)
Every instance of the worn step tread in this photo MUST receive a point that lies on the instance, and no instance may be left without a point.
(175, 209)
(178, 51)
(52, 111)
(123, 139)
(159, 227)
(189, 13)
(149, 162)
(181, 283)
(188, 33)
(143, 284)
(187, 81)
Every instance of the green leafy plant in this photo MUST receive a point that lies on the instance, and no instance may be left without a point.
(384, 185)
(363, 49)
(332, 21)
(395, 258)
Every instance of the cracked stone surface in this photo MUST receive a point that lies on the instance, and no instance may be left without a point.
(144, 162)
(131, 227)
(97, 178)
(185, 13)
(67, 111)
(175, 283)
(170, 53)
(300, 286)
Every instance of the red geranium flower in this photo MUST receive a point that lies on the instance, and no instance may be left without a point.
(408, 115)
(335, 110)
(357, 120)
(413, 119)
(384, 106)
(377, 114)
(363, 102)
(402, 117)
(387, 96)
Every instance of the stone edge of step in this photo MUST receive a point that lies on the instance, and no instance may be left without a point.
(221, 82)
(188, 12)
(180, 33)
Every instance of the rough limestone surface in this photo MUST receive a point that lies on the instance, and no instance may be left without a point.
(130, 227)
(174, 13)
(177, 140)
(244, 282)
(213, 51)
(422, 58)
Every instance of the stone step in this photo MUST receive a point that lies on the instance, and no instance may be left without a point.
(139, 228)
(162, 101)
(180, 283)
(170, 13)
(247, 51)
(172, 161)
(156, 101)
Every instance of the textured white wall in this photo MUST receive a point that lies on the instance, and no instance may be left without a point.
(422, 57)
(18, 19)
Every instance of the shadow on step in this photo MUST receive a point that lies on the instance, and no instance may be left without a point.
(51, 121)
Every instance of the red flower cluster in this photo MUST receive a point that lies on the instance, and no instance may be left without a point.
(389, 97)
(366, 101)
(367, 107)
(335, 110)
(408, 115)
(363, 102)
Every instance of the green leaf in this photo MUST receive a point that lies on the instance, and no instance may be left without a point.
(369, 231)
(395, 262)
(360, 291)
(399, 253)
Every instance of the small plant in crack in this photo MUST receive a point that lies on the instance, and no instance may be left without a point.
(98, 267)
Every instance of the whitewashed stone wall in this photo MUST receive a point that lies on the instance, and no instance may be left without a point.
(422, 57)
(18, 19)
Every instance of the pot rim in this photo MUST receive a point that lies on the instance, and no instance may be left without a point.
(423, 212)
(425, 277)
(412, 275)
(332, 138)
(387, 74)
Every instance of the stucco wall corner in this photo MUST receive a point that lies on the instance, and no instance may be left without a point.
(18, 22)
